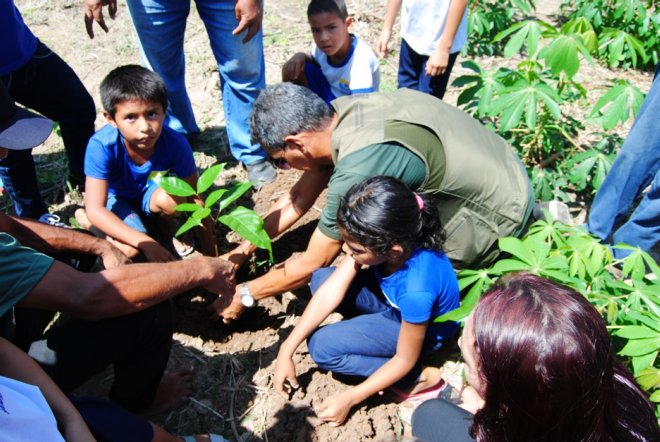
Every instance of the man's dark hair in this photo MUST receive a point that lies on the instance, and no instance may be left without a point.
(132, 82)
(337, 7)
(286, 109)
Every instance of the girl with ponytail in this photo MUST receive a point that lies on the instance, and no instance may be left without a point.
(388, 307)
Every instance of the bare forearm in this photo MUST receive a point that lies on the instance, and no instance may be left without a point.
(454, 18)
(48, 239)
(126, 289)
(393, 8)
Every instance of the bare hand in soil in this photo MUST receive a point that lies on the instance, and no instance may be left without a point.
(113, 257)
(229, 312)
(94, 13)
(284, 379)
(249, 15)
(334, 409)
(236, 259)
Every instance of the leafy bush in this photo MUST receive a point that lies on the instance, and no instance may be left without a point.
(487, 18)
(628, 31)
(246, 222)
(628, 299)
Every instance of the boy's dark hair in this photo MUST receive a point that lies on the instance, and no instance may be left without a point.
(132, 82)
(337, 7)
(381, 212)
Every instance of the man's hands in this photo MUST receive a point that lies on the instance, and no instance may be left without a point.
(154, 252)
(223, 282)
(113, 257)
(284, 379)
(94, 13)
(228, 306)
(249, 15)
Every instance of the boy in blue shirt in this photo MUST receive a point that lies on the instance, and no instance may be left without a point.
(126, 157)
(338, 64)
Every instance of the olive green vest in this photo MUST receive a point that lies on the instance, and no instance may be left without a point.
(482, 190)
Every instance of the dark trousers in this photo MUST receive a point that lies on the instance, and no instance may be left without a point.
(73, 350)
(49, 86)
(412, 72)
(438, 421)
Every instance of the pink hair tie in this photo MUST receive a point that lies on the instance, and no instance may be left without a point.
(420, 202)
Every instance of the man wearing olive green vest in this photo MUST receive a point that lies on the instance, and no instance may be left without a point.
(482, 189)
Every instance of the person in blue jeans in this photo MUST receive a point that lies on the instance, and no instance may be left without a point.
(234, 30)
(388, 308)
(39, 79)
(636, 166)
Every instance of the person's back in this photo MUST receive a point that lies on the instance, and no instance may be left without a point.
(339, 63)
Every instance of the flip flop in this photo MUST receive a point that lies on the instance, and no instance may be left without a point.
(424, 395)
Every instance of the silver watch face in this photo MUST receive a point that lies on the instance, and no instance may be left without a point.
(247, 300)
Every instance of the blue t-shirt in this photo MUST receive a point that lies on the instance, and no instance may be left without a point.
(423, 289)
(107, 159)
(17, 42)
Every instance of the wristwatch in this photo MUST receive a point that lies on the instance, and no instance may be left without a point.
(246, 297)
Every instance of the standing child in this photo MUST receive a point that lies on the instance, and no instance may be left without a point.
(432, 35)
(339, 64)
(125, 158)
(391, 305)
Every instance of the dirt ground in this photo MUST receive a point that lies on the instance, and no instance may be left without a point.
(233, 364)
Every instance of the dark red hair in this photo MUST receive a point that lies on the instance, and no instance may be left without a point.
(549, 370)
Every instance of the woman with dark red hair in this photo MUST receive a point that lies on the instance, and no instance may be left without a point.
(540, 361)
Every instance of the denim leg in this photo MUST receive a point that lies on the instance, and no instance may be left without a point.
(160, 26)
(242, 74)
(359, 346)
(634, 168)
(410, 67)
(363, 295)
(643, 227)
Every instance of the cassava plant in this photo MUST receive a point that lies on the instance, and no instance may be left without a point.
(625, 291)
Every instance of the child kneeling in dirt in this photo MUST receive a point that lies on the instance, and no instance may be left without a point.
(391, 305)
(126, 157)
(338, 64)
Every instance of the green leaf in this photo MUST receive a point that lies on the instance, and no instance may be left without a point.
(209, 176)
(249, 225)
(234, 193)
(649, 378)
(621, 101)
(515, 247)
(640, 363)
(639, 347)
(189, 224)
(202, 213)
(636, 332)
(187, 207)
(175, 186)
(562, 54)
(214, 197)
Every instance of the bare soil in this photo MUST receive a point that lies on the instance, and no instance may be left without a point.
(233, 365)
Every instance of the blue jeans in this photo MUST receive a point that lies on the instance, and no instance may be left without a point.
(360, 345)
(131, 212)
(636, 166)
(160, 27)
(49, 86)
(412, 72)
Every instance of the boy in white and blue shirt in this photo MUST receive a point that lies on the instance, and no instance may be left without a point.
(339, 63)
